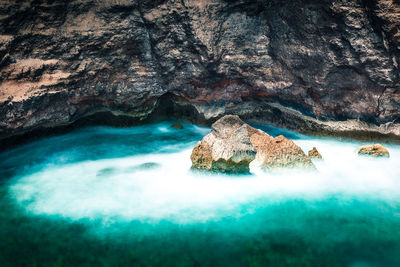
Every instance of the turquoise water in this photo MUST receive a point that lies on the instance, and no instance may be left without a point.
(102, 196)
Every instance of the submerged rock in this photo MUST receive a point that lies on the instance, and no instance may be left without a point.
(115, 171)
(177, 126)
(226, 149)
(143, 167)
(376, 150)
(148, 165)
(106, 172)
(233, 144)
(313, 153)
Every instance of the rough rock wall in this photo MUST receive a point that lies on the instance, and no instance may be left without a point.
(301, 64)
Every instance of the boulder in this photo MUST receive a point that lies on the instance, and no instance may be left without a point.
(376, 150)
(279, 152)
(232, 145)
(314, 154)
(226, 149)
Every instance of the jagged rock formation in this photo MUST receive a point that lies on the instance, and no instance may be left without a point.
(301, 64)
(278, 153)
(226, 149)
(376, 150)
(232, 145)
(314, 153)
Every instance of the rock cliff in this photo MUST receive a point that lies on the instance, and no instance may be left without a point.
(321, 66)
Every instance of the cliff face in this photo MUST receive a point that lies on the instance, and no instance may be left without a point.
(300, 64)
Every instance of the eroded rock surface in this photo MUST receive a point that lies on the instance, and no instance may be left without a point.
(232, 145)
(314, 153)
(279, 152)
(376, 150)
(297, 64)
(226, 149)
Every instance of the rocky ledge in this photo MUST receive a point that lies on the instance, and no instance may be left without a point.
(232, 145)
(324, 67)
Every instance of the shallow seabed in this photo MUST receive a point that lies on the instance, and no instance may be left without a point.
(104, 196)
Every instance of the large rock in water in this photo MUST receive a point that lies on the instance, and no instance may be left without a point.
(376, 150)
(233, 144)
(279, 152)
(226, 149)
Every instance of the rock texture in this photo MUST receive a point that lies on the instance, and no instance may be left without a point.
(301, 64)
(226, 149)
(232, 145)
(376, 150)
(313, 153)
(279, 152)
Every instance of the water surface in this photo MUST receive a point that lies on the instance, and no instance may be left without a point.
(102, 196)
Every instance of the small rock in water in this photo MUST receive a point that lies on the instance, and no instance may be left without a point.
(233, 144)
(144, 166)
(177, 126)
(376, 150)
(148, 165)
(106, 172)
(314, 154)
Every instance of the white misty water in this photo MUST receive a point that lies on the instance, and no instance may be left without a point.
(120, 188)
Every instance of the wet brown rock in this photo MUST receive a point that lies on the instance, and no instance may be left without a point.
(232, 145)
(279, 152)
(376, 150)
(313, 153)
(226, 149)
(202, 157)
(177, 126)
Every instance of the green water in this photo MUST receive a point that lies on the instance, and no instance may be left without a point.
(103, 196)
